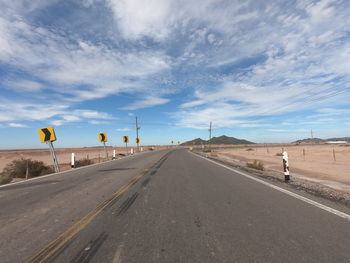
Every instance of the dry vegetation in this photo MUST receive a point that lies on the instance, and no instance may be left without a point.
(323, 162)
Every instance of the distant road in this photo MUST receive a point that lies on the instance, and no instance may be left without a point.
(164, 206)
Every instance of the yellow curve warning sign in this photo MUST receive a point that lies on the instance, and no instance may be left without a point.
(102, 137)
(47, 134)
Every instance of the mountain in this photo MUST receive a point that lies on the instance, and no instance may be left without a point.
(318, 140)
(309, 140)
(347, 139)
(217, 140)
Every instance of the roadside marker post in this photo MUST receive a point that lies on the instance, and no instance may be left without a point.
(73, 161)
(48, 136)
(113, 155)
(286, 167)
(103, 138)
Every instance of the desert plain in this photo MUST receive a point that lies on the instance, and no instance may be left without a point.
(330, 162)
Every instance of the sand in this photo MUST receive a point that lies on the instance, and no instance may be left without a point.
(96, 154)
(317, 163)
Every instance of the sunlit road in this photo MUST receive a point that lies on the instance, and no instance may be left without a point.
(164, 206)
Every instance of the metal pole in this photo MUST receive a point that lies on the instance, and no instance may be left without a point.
(210, 136)
(106, 153)
(53, 154)
(27, 170)
(126, 148)
(137, 134)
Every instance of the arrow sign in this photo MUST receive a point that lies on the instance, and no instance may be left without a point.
(102, 136)
(47, 134)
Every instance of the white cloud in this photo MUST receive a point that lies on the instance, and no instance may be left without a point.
(123, 129)
(137, 18)
(23, 85)
(149, 101)
(17, 125)
(52, 113)
(95, 122)
(77, 69)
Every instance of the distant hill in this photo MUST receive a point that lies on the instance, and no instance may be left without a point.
(217, 140)
(309, 140)
(318, 140)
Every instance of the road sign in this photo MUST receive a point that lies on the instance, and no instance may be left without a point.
(47, 134)
(102, 136)
(137, 140)
(126, 139)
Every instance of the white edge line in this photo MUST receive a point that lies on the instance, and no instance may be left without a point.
(302, 198)
(72, 170)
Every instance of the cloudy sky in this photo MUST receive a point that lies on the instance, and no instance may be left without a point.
(266, 71)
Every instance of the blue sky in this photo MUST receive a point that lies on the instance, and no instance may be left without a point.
(266, 71)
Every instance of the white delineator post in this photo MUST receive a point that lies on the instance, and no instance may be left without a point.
(286, 167)
(132, 151)
(113, 154)
(73, 161)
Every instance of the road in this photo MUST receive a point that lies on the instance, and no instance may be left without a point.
(164, 206)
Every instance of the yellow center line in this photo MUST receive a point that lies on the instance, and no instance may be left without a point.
(62, 239)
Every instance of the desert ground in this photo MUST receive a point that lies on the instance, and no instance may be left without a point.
(312, 161)
(96, 154)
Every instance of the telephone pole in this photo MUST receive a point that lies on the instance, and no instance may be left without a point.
(137, 134)
(210, 136)
(312, 134)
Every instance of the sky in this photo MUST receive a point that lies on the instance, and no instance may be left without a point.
(265, 71)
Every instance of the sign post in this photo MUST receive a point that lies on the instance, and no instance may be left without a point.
(103, 138)
(48, 136)
(126, 140)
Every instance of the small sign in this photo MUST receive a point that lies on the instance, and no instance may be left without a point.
(126, 139)
(102, 137)
(137, 140)
(47, 134)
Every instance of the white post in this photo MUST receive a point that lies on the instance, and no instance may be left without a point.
(73, 161)
(141, 149)
(132, 151)
(286, 167)
(113, 154)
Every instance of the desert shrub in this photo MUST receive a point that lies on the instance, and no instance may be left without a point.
(250, 149)
(256, 165)
(207, 150)
(5, 179)
(17, 168)
(279, 154)
(83, 162)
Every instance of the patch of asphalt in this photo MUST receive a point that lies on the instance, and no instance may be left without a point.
(304, 185)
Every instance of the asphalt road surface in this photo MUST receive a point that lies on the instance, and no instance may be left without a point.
(164, 206)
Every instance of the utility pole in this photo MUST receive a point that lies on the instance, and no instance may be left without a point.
(137, 134)
(210, 136)
(312, 135)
